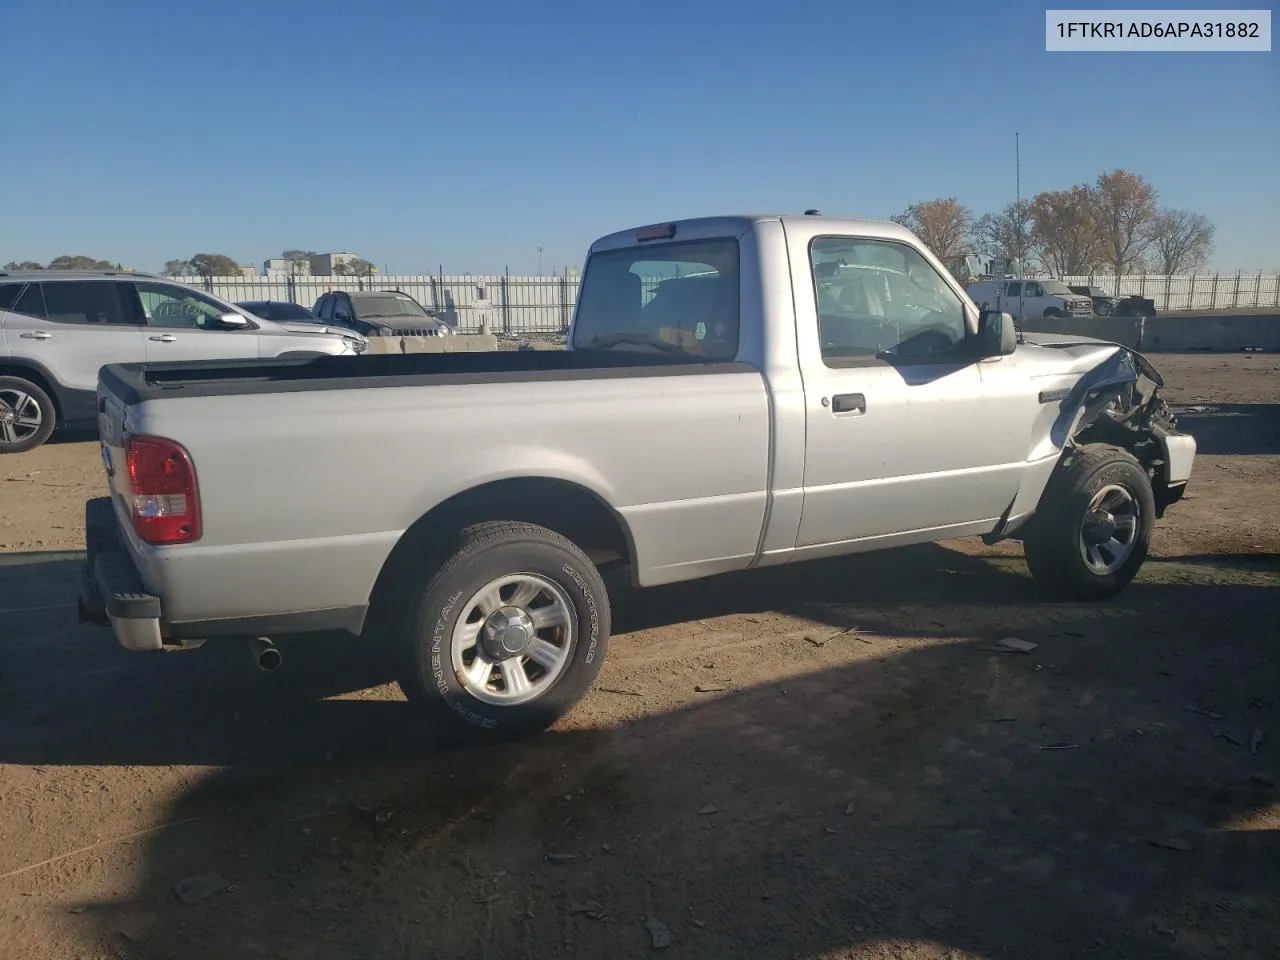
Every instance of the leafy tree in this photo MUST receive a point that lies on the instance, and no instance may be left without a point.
(214, 265)
(13, 266)
(178, 268)
(1125, 208)
(1009, 234)
(299, 261)
(69, 262)
(1181, 241)
(1066, 230)
(942, 225)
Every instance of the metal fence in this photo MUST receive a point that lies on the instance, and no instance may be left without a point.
(506, 304)
(1215, 291)
(525, 305)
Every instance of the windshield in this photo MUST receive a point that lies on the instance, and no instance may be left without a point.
(392, 305)
(1056, 288)
(679, 298)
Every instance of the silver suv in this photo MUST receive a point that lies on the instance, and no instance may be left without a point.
(58, 329)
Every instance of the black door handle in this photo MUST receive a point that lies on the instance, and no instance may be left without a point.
(848, 403)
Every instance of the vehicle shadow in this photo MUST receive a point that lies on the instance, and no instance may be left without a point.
(1232, 428)
(914, 794)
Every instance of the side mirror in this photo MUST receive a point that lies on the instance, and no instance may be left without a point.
(997, 336)
(233, 321)
(342, 317)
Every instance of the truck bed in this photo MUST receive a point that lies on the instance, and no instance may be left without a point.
(138, 382)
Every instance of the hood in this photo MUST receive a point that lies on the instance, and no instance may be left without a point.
(318, 329)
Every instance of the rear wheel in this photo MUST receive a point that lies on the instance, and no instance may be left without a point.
(27, 417)
(509, 634)
(1092, 531)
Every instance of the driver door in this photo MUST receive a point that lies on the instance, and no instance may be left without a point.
(182, 324)
(895, 407)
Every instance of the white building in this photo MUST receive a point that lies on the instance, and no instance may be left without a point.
(280, 267)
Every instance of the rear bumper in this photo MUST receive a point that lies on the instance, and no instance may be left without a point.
(113, 593)
(111, 590)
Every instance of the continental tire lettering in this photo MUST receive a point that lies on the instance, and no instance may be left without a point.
(593, 613)
(437, 642)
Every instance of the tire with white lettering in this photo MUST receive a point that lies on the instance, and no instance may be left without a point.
(509, 634)
(1091, 533)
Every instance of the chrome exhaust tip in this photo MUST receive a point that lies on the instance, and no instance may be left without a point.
(266, 654)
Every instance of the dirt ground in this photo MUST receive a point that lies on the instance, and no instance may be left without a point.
(823, 761)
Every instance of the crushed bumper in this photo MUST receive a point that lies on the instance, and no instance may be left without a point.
(111, 590)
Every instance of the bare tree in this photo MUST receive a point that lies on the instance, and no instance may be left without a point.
(942, 225)
(1066, 230)
(359, 267)
(299, 261)
(16, 266)
(1181, 241)
(178, 268)
(1009, 234)
(1125, 208)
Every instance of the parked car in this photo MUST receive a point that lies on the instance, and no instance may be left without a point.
(380, 313)
(749, 415)
(1103, 305)
(57, 329)
(1051, 299)
(1133, 305)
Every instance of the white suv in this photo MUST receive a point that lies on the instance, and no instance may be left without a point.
(1031, 298)
(58, 329)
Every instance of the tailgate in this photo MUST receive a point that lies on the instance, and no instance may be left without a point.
(112, 414)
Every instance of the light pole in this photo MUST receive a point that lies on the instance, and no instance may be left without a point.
(539, 261)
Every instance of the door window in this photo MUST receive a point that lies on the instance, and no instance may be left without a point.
(1013, 290)
(1034, 290)
(324, 307)
(882, 299)
(179, 307)
(342, 308)
(94, 302)
(9, 293)
(31, 302)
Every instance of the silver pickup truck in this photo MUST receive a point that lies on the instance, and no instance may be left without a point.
(738, 392)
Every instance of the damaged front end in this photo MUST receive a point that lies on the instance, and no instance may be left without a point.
(1119, 404)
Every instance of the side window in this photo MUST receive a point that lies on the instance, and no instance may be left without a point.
(342, 304)
(94, 302)
(324, 307)
(31, 302)
(178, 307)
(9, 293)
(1034, 290)
(1013, 290)
(882, 299)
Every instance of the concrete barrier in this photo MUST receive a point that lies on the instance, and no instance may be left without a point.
(1179, 333)
(458, 343)
(1214, 333)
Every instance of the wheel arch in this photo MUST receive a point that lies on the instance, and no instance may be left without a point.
(37, 374)
(569, 508)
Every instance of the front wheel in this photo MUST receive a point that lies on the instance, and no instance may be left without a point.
(509, 634)
(1091, 533)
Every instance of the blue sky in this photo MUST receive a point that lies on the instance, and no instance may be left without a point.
(469, 134)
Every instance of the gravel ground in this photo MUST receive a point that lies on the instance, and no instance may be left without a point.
(828, 760)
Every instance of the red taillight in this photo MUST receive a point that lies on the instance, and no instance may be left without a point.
(162, 485)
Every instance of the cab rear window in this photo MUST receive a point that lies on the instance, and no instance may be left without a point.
(679, 298)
